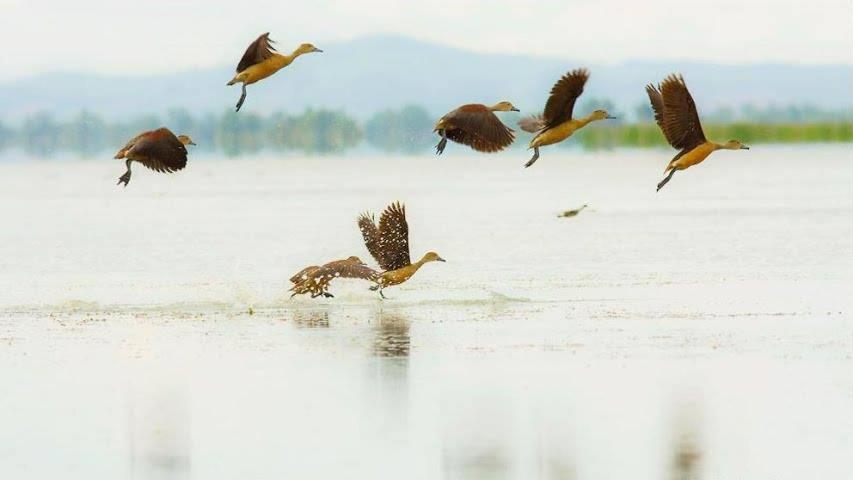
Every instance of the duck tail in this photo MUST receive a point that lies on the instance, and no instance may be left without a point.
(233, 80)
(374, 288)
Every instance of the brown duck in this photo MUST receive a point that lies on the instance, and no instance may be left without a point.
(262, 60)
(477, 126)
(388, 243)
(315, 279)
(556, 124)
(676, 115)
(160, 150)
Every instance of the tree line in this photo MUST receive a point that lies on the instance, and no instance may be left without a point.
(407, 130)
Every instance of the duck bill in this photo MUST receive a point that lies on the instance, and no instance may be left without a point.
(439, 259)
(610, 117)
(513, 109)
(744, 147)
(317, 50)
(192, 143)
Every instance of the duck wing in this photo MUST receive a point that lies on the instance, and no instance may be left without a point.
(681, 124)
(657, 105)
(344, 269)
(159, 150)
(565, 92)
(394, 238)
(479, 128)
(303, 274)
(260, 50)
(370, 234)
(532, 124)
(126, 148)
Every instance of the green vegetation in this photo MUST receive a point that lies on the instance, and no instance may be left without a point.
(649, 135)
(407, 130)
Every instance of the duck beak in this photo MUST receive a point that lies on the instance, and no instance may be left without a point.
(513, 109)
(611, 117)
(191, 143)
(439, 259)
(744, 147)
(317, 50)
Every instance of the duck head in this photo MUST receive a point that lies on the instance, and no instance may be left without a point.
(356, 260)
(503, 107)
(432, 257)
(307, 48)
(186, 140)
(735, 145)
(602, 115)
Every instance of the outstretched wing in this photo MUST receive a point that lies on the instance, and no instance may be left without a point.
(370, 235)
(657, 105)
(159, 150)
(344, 269)
(681, 124)
(561, 103)
(479, 128)
(260, 50)
(394, 238)
(303, 274)
(532, 124)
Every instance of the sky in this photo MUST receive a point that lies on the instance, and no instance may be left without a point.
(155, 36)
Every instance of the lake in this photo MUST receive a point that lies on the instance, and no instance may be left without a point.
(703, 331)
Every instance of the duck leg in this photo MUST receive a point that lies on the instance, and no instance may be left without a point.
(665, 180)
(126, 177)
(242, 97)
(534, 158)
(439, 149)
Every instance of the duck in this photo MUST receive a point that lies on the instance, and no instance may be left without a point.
(160, 150)
(555, 123)
(676, 115)
(388, 244)
(476, 126)
(315, 279)
(572, 213)
(262, 60)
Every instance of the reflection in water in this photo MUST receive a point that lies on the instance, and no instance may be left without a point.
(392, 336)
(686, 450)
(311, 318)
(159, 431)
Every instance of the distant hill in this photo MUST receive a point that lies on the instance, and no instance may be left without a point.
(374, 73)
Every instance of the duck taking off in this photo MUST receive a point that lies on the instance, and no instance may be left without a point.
(477, 126)
(556, 124)
(160, 150)
(262, 60)
(676, 115)
(389, 245)
(315, 279)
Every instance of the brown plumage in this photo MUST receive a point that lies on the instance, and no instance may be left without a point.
(388, 243)
(259, 50)
(261, 60)
(476, 126)
(676, 115)
(557, 121)
(315, 279)
(160, 150)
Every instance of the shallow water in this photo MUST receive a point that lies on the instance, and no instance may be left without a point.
(701, 332)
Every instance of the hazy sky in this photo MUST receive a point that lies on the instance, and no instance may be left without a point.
(155, 36)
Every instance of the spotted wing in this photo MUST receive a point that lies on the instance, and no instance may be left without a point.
(565, 92)
(344, 269)
(159, 150)
(394, 238)
(681, 124)
(479, 128)
(303, 274)
(370, 234)
(260, 50)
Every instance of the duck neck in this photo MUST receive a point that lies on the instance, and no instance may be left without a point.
(584, 121)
